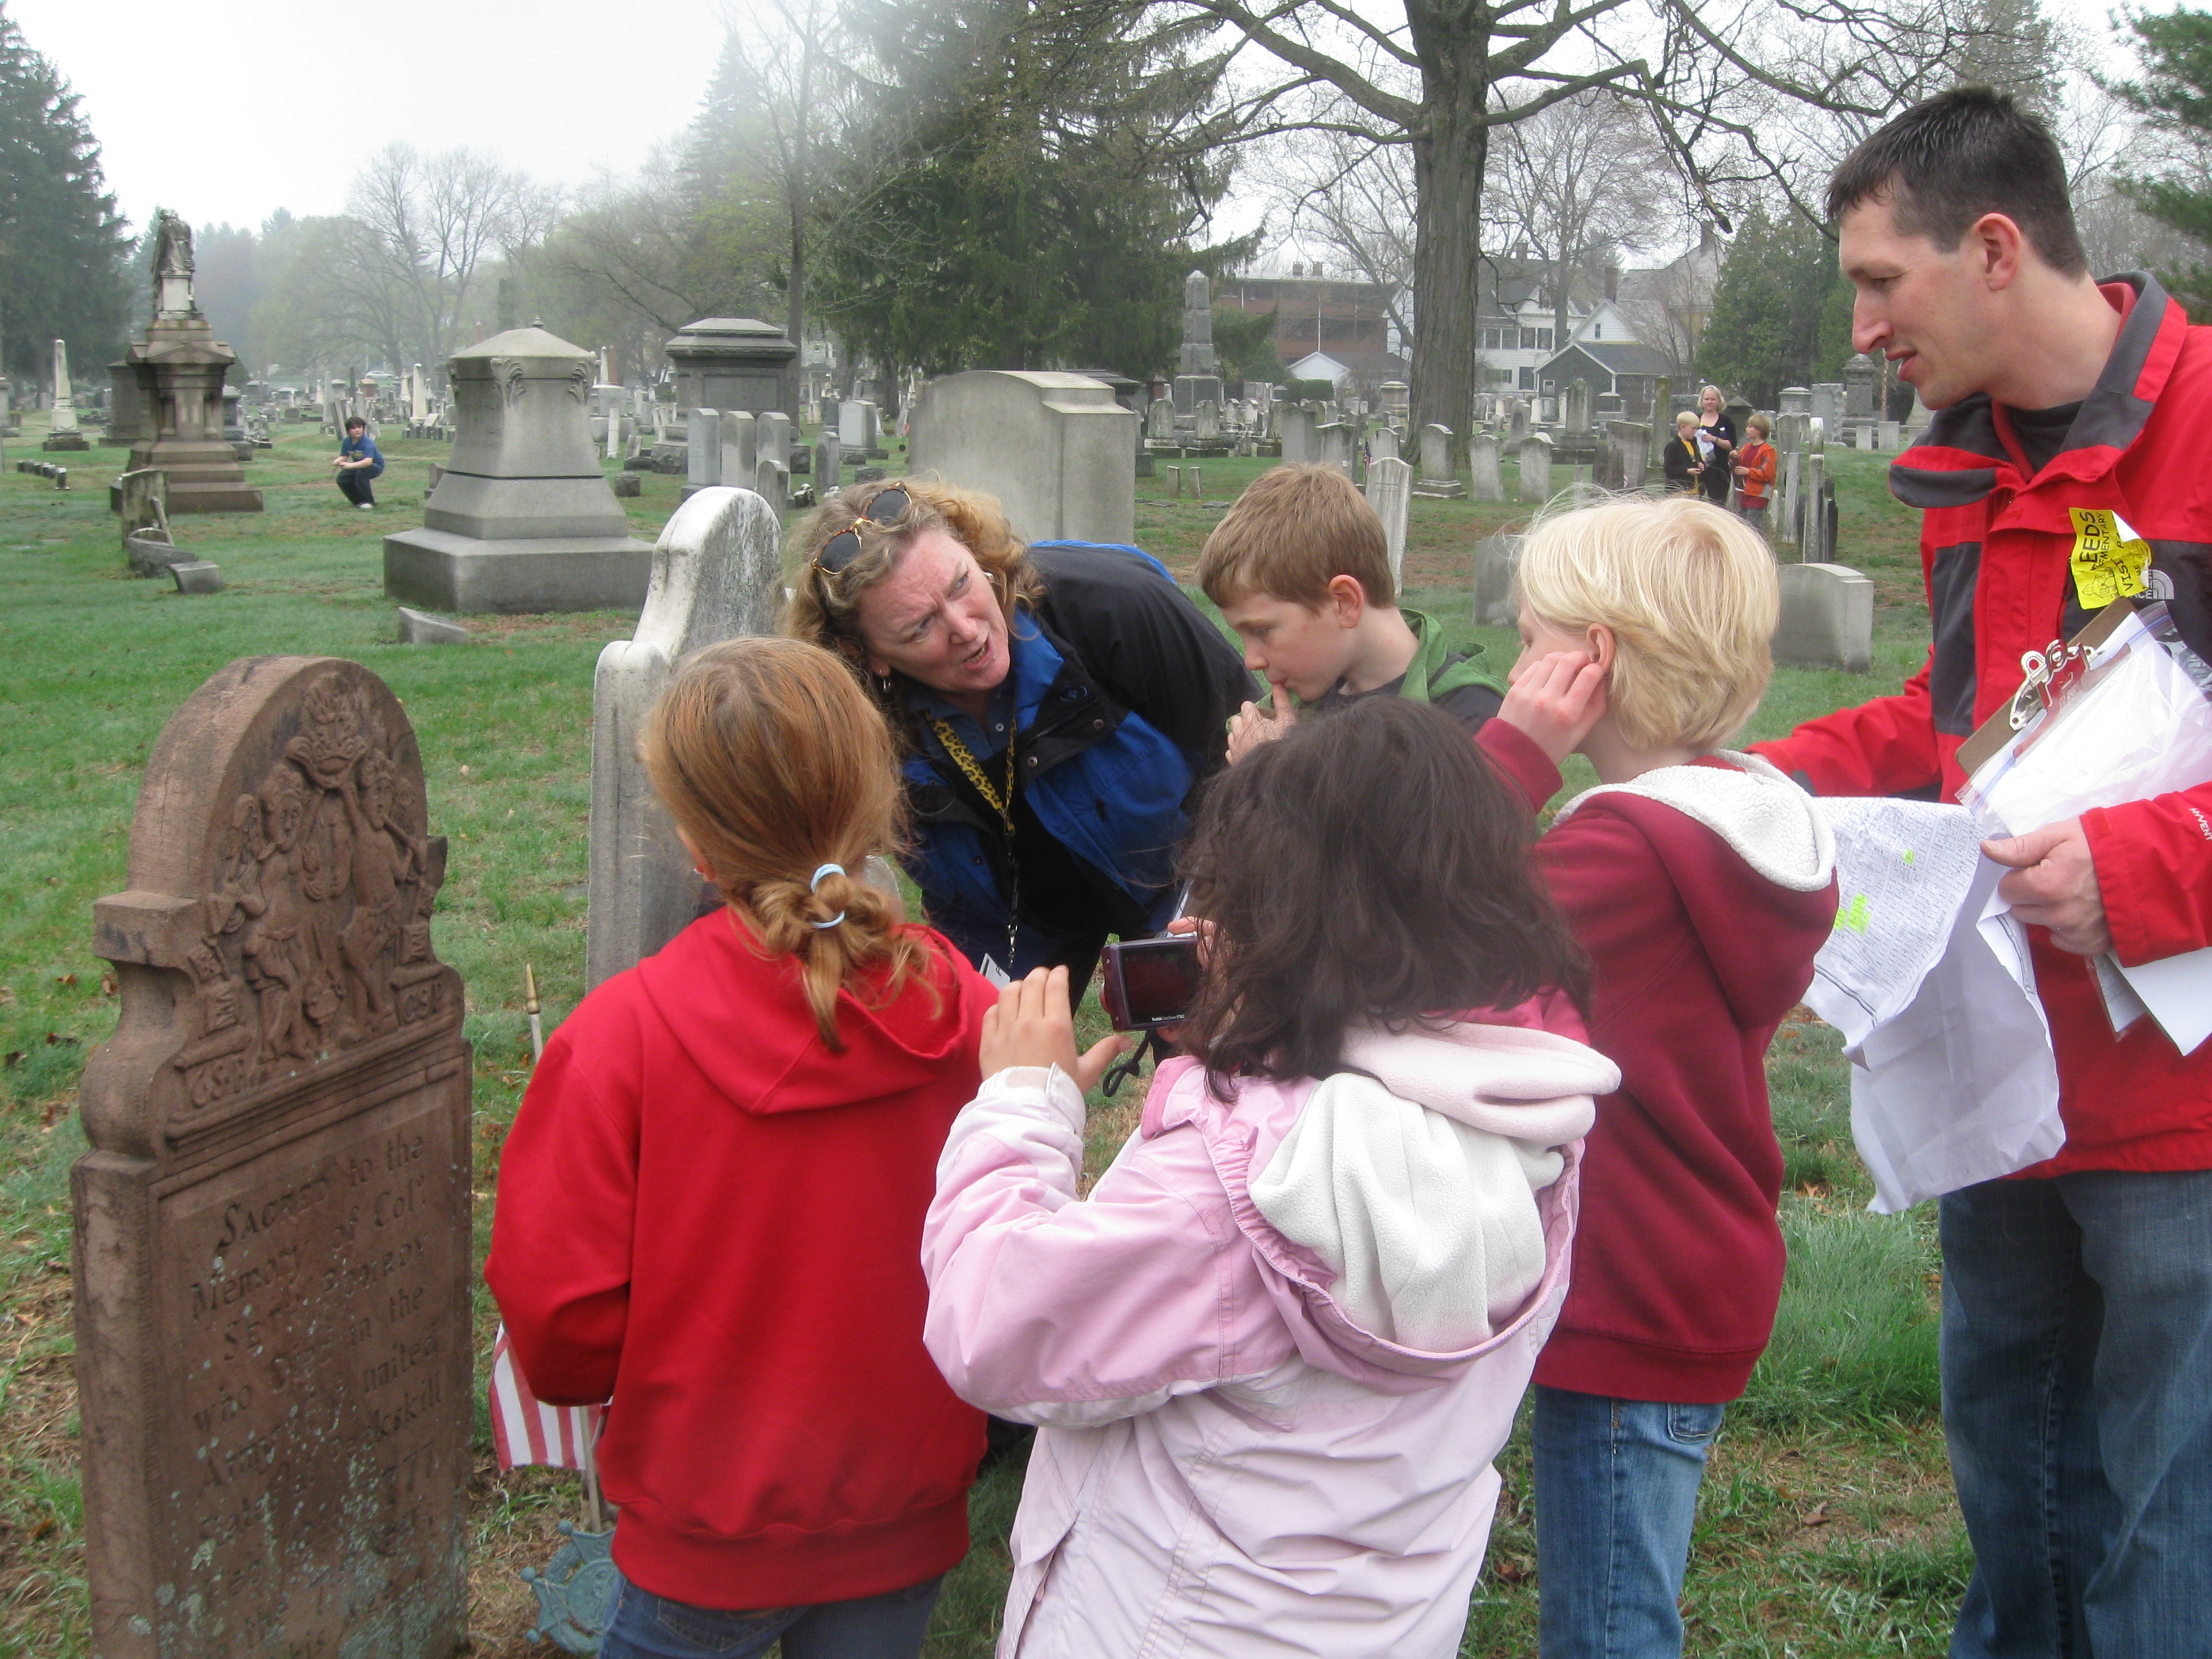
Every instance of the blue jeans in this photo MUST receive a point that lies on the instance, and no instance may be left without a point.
(2077, 1402)
(355, 483)
(886, 1627)
(1616, 1499)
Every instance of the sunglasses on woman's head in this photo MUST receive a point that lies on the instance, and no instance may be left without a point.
(884, 506)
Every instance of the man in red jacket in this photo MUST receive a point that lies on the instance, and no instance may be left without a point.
(2077, 1304)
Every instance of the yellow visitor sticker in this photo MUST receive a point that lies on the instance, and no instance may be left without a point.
(2110, 560)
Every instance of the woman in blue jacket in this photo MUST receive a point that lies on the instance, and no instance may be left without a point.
(1061, 704)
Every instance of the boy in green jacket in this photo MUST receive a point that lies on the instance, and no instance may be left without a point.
(1301, 572)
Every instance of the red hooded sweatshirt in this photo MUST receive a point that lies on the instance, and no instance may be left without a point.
(707, 1216)
(1701, 919)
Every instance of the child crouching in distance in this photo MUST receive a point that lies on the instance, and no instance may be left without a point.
(710, 1205)
(1302, 572)
(1700, 883)
(1274, 1351)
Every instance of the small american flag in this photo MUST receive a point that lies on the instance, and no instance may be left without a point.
(524, 1430)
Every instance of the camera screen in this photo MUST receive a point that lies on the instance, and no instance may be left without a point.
(1159, 979)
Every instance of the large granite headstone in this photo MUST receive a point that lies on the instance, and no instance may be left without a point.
(828, 456)
(1390, 493)
(272, 1240)
(717, 572)
(730, 362)
(1057, 450)
(522, 519)
(1298, 428)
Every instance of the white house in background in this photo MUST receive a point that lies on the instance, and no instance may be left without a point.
(1352, 372)
(1604, 326)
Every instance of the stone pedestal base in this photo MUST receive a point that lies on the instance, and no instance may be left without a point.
(1435, 489)
(438, 570)
(204, 476)
(69, 442)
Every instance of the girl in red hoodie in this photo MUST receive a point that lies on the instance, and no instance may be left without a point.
(710, 1205)
(1701, 883)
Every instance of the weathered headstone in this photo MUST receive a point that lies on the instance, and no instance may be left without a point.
(1536, 467)
(1396, 397)
(1159, 420)
(772, 484)
(1298, 428)
(62, 430)
(1577, 418)
(1486, 482)
(421, 627)
(1628, 445)
(1382, 445)
(1827, 618)
(1174, 481)
(522, 519)
(127, 404)
(740, 453)
(1390, 493)
(142, 501)
(196, 576)
(1828, 405)
(1497, 560)
(1437, 478)
(772, 438)
(1207, 423)
(1057, 450)
(1335, 442)
(1797, 400)
(702, 449)
(853, 426)
(1917, 421)
(1813, 545)
(829, 458)
(1859, 375)
(272, 1239)
(1886, 434)
(717, 572)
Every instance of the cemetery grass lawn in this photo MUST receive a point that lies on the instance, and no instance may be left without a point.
(1828, 1528)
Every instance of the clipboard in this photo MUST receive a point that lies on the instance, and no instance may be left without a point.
(2050, 678)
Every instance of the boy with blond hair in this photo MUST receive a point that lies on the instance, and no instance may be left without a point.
(1300, 570)
(1700, 882)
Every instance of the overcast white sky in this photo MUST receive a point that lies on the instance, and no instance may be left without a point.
(225, 110)
(229, 109)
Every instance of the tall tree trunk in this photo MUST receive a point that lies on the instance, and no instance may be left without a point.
(1448, 165)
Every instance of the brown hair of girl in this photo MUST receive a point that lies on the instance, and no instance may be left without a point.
(1365, 869)
(774, 762)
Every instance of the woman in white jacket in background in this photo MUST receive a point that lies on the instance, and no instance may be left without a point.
(1276, 1350)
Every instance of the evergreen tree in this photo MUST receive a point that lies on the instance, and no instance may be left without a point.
(1021, 198)
(2176, 94)
(1775, 315)
(63, 248)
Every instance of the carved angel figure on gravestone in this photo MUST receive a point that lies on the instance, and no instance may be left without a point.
(384, 857)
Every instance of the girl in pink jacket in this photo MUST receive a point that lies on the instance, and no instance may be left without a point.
(1274, 1351)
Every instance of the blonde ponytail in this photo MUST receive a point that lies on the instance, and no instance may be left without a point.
(782, 773)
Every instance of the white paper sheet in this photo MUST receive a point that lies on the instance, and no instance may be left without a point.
(1953, 1079)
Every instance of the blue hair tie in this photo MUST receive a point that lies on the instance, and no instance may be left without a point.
(826, 870)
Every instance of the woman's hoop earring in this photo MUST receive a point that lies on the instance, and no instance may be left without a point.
(884, 687)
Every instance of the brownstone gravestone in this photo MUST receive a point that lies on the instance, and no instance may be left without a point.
(272, 1227)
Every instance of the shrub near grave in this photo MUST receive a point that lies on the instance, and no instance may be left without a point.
(1828, 1525)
